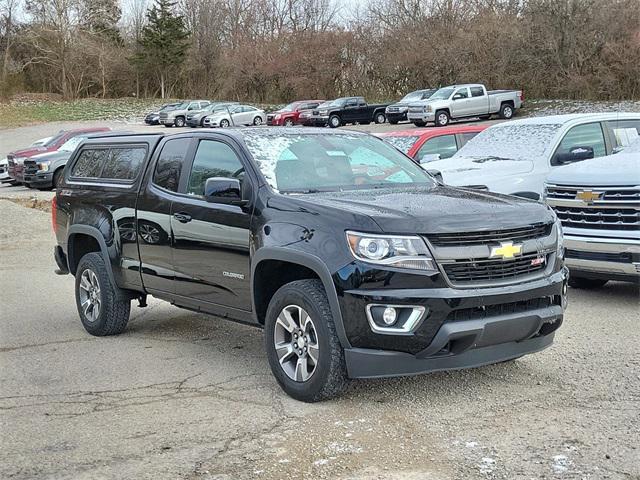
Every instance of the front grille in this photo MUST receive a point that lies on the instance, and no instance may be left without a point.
(612, 194)
(487, 311)
(603, 256)
(30, 167)
(490, 236)
(599, 218)
(468, 271)
(416, 109)
(393, 109)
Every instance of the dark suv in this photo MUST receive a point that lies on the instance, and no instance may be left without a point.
(354, 260)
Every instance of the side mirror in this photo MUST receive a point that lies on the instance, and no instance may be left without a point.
(429, 157)
(437, 174)
(458, 96)
(577, 154)
(223, 190)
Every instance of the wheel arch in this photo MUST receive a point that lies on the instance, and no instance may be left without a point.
(312, 266)
(83, 239)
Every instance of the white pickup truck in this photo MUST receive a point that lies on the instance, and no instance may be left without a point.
(516, 157)
(464, 101)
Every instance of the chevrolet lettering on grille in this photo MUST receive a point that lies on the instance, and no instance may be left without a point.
(506, 250)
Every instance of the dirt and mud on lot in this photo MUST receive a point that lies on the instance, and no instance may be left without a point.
(187, 396)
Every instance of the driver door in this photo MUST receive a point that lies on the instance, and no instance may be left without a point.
(210, 241)
(460, 103)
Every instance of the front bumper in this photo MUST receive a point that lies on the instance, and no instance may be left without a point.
(421, 117)
(152, 120)
(396, 116)
(194, 122)
(39, 179)
(316, 121)
(463, 327)
(604, 258)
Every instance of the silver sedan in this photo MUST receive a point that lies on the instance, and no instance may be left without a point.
(235, 115)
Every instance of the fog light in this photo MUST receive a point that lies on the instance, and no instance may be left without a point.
(389, 316)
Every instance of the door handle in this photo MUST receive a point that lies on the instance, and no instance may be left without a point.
(182, 217)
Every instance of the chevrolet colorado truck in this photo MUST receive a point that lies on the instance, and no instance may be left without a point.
(464, 101)
(348, 110)
(598, 203)
(353, 259)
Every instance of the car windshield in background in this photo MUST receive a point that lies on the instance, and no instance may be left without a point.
(71, 144)
(413, 96)
(513, 142)
(169, 107)
(442, 94)
(402, 143)
(299, 163)
(289, 108)
(53, 140)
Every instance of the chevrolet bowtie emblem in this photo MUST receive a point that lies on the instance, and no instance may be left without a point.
(506, 250)
(588, 196)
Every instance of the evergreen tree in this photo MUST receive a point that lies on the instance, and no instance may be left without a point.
(164, 42)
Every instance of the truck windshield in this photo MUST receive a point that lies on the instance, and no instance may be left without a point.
(338, 102)
(413, 96)
(71, 144)
(309, 163)
(442, 94)
(513, 142)
(289, 108)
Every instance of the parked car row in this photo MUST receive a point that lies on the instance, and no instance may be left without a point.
(437, 106)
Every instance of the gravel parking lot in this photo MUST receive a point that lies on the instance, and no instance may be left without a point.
(187, 396)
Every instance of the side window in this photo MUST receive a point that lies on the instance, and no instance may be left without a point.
(444, 145)
(624, 132)
(587, 135)
(461, 93)
(465, 137)
(124, 163)
(90, 162)
(213, 159)
(169, 165)
(352, 102)
(476, 91)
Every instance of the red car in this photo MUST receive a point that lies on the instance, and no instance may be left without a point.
(428, 144)
(16, 158)
(288, 116)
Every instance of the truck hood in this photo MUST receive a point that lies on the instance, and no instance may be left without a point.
(29, 152)
(621, 169)
(462, 171)
(440, 209)
(51, 156)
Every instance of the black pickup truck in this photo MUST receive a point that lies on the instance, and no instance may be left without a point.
(346, 110)
(355, 261)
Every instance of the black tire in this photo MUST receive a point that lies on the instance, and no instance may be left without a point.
(506, 111)
(114, 303)
(168, 126)
(58, 175)
(334, 121)
(179, 122)
(442, 118)
(224, 123)
(202, 123)
(364, 123)
(380, 118)
(329, 379)
(586, 283)
(288, 122)
(257, 121)
(419, 123)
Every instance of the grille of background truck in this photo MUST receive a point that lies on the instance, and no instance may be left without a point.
(618, 208)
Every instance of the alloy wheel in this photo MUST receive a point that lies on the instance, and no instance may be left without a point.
(90, 299)
(296, 343)
(149, 233)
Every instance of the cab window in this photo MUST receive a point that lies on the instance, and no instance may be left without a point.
(461, 93)
(169, 165)
(444, 145)
(623, 132)
(476, 91)
(213, 159)
(589, 135)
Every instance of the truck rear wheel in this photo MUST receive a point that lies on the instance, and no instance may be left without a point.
(302, 346)
(586, 283)
(103, 307)
(506, 111)
(442, 118)
(179, 122)
(380, 118)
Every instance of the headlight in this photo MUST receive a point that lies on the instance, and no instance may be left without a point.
(391, 250)
(277, 116)
(44, 166)
(427, 108)
(323, 112)
(403, 109)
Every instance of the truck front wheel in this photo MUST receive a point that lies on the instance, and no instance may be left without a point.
(103, 307)
(334, 121)
(302, 346)
(442, 118)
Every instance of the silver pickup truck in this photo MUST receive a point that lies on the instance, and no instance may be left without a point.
(464, 101)
(598, 203)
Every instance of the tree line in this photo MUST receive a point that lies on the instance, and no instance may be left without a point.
(280, 50)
